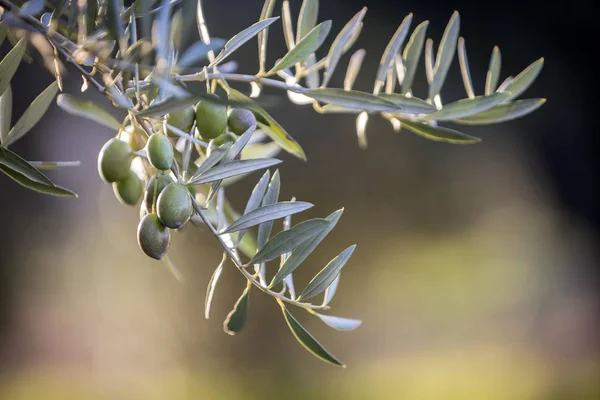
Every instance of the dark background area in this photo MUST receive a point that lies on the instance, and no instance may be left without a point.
(456, 245)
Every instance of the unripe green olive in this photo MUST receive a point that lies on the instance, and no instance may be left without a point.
(114, 160)
(156, 184)
(174, 206)
(160, 151)
(240, 120)
(153, 237)
(129, 190)
(211, 119)
(182, 119)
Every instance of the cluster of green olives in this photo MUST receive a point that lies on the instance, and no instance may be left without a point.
(167, 203)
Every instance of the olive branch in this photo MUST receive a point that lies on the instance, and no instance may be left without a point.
(187, 134)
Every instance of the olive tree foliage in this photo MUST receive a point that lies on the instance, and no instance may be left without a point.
(187, 134)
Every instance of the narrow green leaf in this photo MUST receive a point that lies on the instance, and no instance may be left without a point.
(308, 45)
(199, 52)
(330, 291)
(467, 107)
(521, 82)
(288, 29)
(32, 115)
(337, 48)
(429, 60)
(307, 340)
(271, 127)
(339, 323)
(409, 105)
(271, 197)
(307, 20)
(256, 197)
(172, 104)
(312, 77)
(327, 275)
(503, 112)
(389, 55)
(238, 40)
(266, 13)
(412, 55)
(53, 190)
(235, 168)
(14, 162)
(286, 241)
(10, 63)
(445, 55)
(302, 252)
(464, 68)
(212, 285)
(352, 99)
(438, 133)
(87, 109)
(115, 23)
(236, 319)
(213, 159)
(266, 213)
(493, 73)
(260, 150)
(5, 113)
(353, 68)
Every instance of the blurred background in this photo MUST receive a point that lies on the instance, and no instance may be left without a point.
(476, 273)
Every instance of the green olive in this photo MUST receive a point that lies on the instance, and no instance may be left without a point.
(160, 151)
(114, 160)
(240, 120)
(211, 119)
(129, 190)
(153, 237)
(222, 139)
(182, 119)
(174, 206)
(156, 184)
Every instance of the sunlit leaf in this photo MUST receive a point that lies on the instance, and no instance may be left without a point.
(521, 82)
(330, 291)
(271, 197)
(408, 105)
(53, 190)
(235, 168)
(445, 55)
(88, 110)
(393, 47)
(14, 162)
(115, 23)
(307, 20)
(339, 323)
(213, 159)
(412, 55)
(327, 275)
(256, 197)
(464, 68)
(353, 68)
(266, 13)
(307, 340)
(467, 107)
(199, 52)
(10, 63)
(266, 213)
(308, 45)
(5, 113)
(493, 73)
(439, 133)
(212, 285)
(236, 319)
(352, 99)
(32, 115)
(503, 112)
(238, 40)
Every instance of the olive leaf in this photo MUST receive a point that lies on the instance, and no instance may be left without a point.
(10, 63)
(172, 104)
(260, 150)
(268, 124)
(389, 55)
(464, 68)
(412, 55)
(337, 48)
(53, 190)
(353, 68)
(286, 241)
(256, 197)
(307, 19)
(503, 112)
(238, 40)
(87, 109)
(445, 55)
(521, 82)
(288, 30)
(236, 319)
(493, 73)
(32, 115)
(301, 253)
(266, 13)
(212, 285)
(213, 159)
(266, 213)
(467, 107)
(352, 99)
(5, 113)
(408, 105)
(234, 168)
(271, 197)
(114, 22)
(330, 291)
(339, 323)
(439, 133)
(307, 340)
(327, 275)
(308, 45)
(199, 52)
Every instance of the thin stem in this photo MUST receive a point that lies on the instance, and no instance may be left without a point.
(244, 271)
(201, 76)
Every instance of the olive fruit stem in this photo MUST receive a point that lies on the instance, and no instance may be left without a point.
(240, 267)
